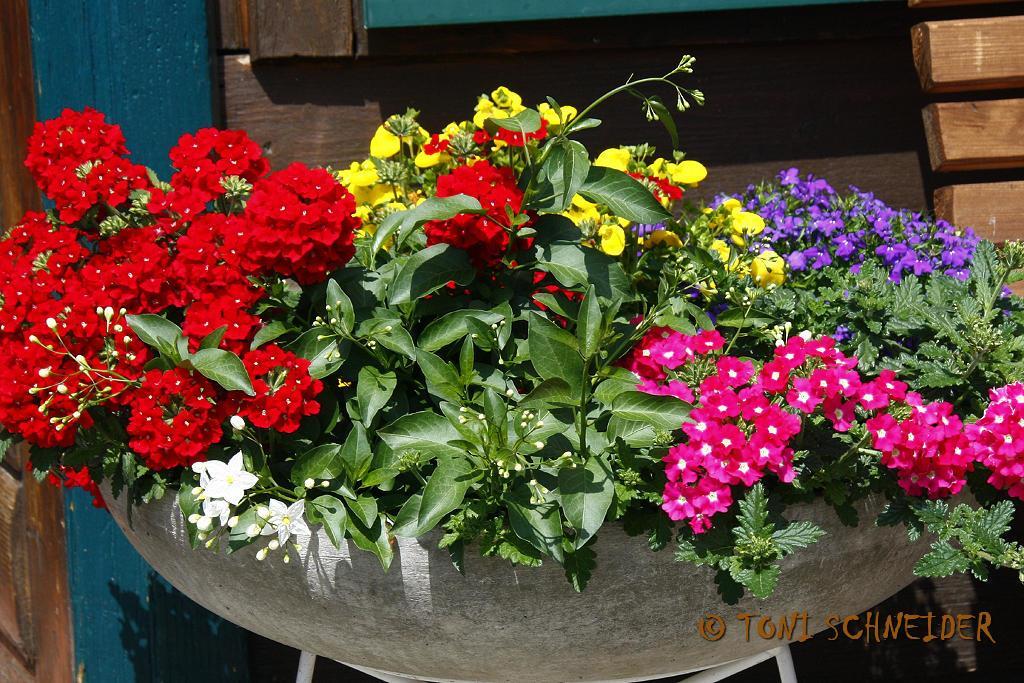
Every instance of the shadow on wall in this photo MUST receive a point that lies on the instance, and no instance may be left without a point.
(156, 633)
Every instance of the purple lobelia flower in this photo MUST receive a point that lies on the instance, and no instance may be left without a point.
(812, 226)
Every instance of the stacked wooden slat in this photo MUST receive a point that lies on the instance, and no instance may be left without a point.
(976, 133)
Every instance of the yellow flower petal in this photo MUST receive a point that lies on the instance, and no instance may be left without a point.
(768, 269)
(615, 157)
(747, 223)
(384, 144)
(424, 160)
(613, 239)
(662, 238)
(687, 172)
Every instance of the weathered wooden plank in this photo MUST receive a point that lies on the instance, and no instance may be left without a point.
(975, 135)
(17, 191)
(12, 670)
(768, 105)
(233, 24)
(994, 210)
(969, 54)
(300, 28)
(13, 574)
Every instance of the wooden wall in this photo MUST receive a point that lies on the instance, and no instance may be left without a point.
(829, 89)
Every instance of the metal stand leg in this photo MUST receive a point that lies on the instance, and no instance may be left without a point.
(782, 656)
(307, 662)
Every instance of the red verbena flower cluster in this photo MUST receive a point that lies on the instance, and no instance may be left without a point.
(483, 236)
(284, 389)
(301, 224)
(176, 416)
(66, 287)
(998, 438)
(509, 137)
(80, 162)
(72, 478)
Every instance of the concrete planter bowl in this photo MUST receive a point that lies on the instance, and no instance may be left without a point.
(637, 619)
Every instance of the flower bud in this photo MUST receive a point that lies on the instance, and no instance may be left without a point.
(309, 483)
(237, 422)
(262, 554)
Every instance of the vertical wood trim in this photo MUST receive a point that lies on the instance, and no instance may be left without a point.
(17, 191)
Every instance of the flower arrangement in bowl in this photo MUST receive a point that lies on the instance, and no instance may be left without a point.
(482, 349)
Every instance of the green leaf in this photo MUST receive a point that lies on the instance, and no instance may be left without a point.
(579, 566)
(553, 353)
(453, 327)
(586, 494)
(753, 518)
(550, 392)
(189, 504)
(329, 511)
(427, 271)
(212, 340)
(322, 351)
(442, 378)
(407, 521)
(426, 432)
(372, 538)
(797, 535)
(588, 326)
(665, 116)
(224, 368)
(742, 319)
(157, 332)
(943, 560)
(318, 463)
(339, 307)
(356, 452)
(661, 412)
(373, 390)
(444, 491)
(624, 196)
(574, 265)
(363, 509)
(633, 432)
(760, 582)
(526, 121)
(538, 525)
(561, 176)
(269, 333)
(433, 208)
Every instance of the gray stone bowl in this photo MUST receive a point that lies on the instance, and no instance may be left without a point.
(636, 620)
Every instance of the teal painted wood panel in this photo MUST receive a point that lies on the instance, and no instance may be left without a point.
(397, 13)
(146, 64)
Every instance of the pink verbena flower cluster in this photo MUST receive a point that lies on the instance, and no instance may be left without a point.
(745, 419)
(998, 438)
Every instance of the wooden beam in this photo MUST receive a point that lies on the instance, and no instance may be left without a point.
(966, 136)
(969, 54)
(300, 28)
(233, 24)
(993, 210)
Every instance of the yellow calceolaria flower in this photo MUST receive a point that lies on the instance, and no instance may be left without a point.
(359, 175)
(730, 205)
(686, 172)
(613, 239)
(738, 240)
(616, 157)
(424, 160)
(768, 269)
(722, 250)
(582, 211)
(664, 238)
(747, 223)
(384, 143)
(555, 118)
(507, 99)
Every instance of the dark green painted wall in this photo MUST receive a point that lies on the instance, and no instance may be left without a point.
(146, 63)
